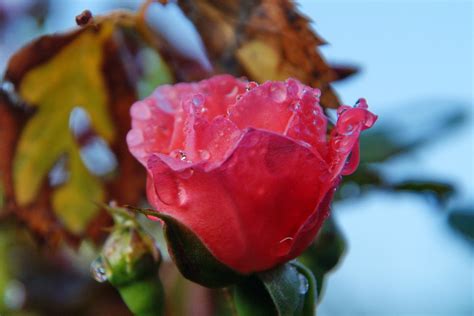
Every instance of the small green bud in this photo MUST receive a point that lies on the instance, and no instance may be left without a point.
(129, 261)
(129, 254)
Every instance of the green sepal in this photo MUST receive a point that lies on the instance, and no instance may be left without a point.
(251, 298)
(144, 297)
(311, 297)
(287, 290)
(126, 258)
(191, 256)
(130, 261)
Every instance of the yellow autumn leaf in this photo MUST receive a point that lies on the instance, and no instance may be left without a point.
(71, 78)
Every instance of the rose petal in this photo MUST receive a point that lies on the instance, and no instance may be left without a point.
(268, 184)
(308, 122)
(345, 138)
(267, 107)
(151, 129)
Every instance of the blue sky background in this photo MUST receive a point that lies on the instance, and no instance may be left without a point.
(417, 62)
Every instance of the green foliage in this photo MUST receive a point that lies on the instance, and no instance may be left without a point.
(287, 290)
(462, 221)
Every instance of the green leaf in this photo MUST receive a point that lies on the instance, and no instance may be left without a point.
(251, 298)
(463, 222)
(287, 290)
(155, 73)
(283, 284)
(55, 88)
(144, 297)
(311, 297)
(442, 191)
(191, 256)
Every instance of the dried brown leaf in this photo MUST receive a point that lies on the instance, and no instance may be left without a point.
(263, 40)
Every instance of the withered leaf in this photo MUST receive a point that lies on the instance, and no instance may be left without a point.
(262, 40)
(92, 68)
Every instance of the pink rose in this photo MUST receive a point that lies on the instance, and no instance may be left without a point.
(248, 168)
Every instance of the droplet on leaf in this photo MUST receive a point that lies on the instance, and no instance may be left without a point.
(98, 270)
(304, 284)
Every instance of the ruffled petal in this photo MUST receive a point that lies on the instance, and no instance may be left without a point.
(344, 140)
(308, 122)
(267, 106)
(152, 127)
(158, 122)
(269, 183)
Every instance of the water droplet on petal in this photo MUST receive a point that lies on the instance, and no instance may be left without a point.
(135, 137)
(179, 154)
(304, 284)
(251, 85)
(233, 92)
(297, 106)
(317, 93)
(140, 110)
(98, 270)
(204, 154)
(293, 88)
(198, 100)
(284, 246)
(278, 92)
(187, 173)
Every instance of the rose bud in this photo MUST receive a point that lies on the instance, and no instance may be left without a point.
(247, 168)
(130, 260)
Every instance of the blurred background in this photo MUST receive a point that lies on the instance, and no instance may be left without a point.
(406, 253)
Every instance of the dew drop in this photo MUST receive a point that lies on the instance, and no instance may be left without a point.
(284, 246)
(14, 295)
(187, 173)
(233, 92)
(304, 284)
(317, 93)
(179, 154)
(135, 137)
(278, 92)
(204, 154)
(98, 270)
(293, 88)
(198, 100)
(297, 106)
(140, 110)
(251, 85)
